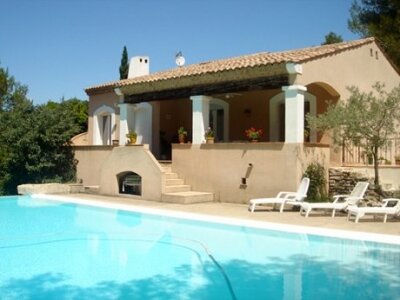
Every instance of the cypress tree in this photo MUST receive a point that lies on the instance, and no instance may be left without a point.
(124, 67)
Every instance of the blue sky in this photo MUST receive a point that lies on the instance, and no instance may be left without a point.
(60, 47)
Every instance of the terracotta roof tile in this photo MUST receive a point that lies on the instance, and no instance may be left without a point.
(240, 62)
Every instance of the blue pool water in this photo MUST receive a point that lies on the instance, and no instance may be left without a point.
(53, 250)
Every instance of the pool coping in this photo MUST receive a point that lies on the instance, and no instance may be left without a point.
(328, 232)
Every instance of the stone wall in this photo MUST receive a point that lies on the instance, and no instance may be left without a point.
(342, 181)
(49, 188)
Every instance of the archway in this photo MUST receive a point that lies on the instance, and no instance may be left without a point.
(103, 125)
(325, 94)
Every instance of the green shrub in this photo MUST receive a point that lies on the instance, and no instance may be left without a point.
(317, 189)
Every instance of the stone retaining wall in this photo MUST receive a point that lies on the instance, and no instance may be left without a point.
(342, 181)
(49, 188)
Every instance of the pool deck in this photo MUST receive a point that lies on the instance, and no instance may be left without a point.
(239, 211)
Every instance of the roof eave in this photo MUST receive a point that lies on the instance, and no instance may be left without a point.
(235, 75)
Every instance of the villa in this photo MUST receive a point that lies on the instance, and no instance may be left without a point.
(271, 91)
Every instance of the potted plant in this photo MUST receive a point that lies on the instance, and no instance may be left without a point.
(209, 136)
(397, 159)
(254, 134)
(132, 136)
(182, 133)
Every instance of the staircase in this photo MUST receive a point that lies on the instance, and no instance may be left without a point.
(176, 191)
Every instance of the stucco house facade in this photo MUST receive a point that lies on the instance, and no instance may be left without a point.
(271, 91)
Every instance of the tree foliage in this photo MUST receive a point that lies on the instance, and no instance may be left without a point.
(34, 140)
(379, 18)
(366, 119)
(77, 108)
(124, 67)
(332, 38)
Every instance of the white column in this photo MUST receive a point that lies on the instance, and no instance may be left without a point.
(123, 123)
(155, 147)
(200, 119)
(294, 113)
(143, 123)
(126, 118)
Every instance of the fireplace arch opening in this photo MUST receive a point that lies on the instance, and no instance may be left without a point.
(130, 183)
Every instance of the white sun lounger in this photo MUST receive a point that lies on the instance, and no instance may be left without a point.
(385, 210)
(340, 202)
(292, 198)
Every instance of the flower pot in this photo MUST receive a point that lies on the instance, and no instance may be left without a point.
(182, 139)
(254, 140)
(132, 141)
(210, 140)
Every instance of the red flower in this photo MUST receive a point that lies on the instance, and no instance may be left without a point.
(253, 133)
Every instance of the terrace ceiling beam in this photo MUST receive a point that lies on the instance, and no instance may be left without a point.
(275, 82)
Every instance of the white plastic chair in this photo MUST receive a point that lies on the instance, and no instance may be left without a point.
(340, 202)
(291, 198)
(385, 210)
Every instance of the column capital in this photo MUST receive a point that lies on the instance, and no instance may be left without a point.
(294, 88)
(200, 98)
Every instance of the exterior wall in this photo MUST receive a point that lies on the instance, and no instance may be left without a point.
(100, 165)
(137, 159)
(267, 167)
(96, 101)
(90, 160)
(354, 67)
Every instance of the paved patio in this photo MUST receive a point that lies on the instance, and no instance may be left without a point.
(239, 211)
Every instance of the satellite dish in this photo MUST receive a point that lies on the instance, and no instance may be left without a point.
(179, 59)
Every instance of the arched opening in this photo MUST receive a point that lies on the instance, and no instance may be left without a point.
(325, 94)
(277, 117)
(129, 183)
(104, 125)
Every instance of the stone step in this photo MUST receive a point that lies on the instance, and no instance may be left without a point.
(177, 188)
(187, 197)
(171, 176)
(175, 181)
(167, 169)
(166, 165)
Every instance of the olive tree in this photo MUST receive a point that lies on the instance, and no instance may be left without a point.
(367, 119)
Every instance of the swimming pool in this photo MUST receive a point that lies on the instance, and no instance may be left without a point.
(56, 250)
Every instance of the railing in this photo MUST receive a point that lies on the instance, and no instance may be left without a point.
(356, 155)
